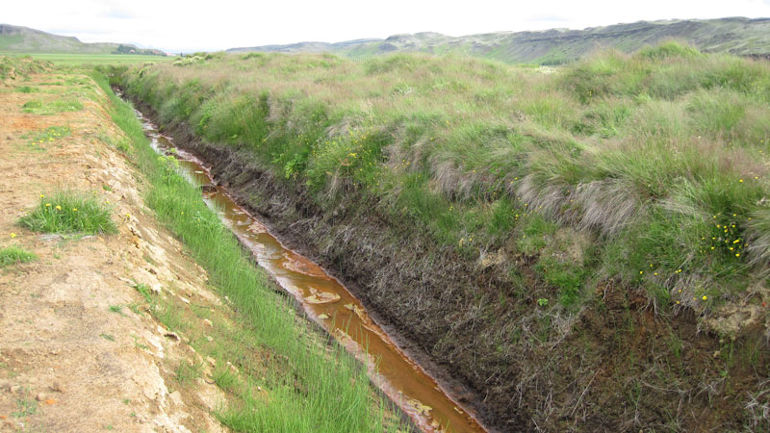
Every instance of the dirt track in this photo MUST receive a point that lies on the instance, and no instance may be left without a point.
(77, 352)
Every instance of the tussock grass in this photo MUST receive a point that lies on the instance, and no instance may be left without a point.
(69, 212)
(13, 255)
(638, 151)
(314, 390)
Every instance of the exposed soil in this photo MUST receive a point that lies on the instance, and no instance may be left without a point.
(74, 355)
(613, 366)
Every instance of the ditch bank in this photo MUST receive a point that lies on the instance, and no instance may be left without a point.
(613, 366)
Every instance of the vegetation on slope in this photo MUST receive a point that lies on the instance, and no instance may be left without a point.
(297, 386)
(659, 157)
(643, 172)
(14, 67)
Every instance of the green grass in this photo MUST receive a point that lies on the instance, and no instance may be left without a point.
(186, 373)
(13, 255)
(27, 89)
(69, 212)
(639, 152)
(48, 135)
(89, 60)
(21, 66)
(25, 407)
(52, 107)
(317, 391)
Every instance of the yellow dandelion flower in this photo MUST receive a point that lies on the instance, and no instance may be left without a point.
(677, 302)
(641, 272)
(58, 207)
(705, 298)
(48, 205)
(13, 235)
(740, 180)
(74, 209)
(737, 254)
(42, 195)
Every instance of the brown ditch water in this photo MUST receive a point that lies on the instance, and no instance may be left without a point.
(327, 302)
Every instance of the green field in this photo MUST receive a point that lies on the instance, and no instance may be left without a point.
(89, 60)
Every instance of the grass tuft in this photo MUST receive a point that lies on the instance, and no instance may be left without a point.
(13, 255)
(69, 212)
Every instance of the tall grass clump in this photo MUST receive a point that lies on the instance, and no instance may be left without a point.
(69, 212)
(315, 390)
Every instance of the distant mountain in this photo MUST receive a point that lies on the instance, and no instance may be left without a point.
(27, 40)
(740, 36)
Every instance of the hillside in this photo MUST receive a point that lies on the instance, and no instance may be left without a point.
(739, 36)
(27, 40)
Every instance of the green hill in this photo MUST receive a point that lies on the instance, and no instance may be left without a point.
(739, 36)
(27, 40)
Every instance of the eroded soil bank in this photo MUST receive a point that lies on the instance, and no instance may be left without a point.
(613, 366)
(79, 350)
(143, 327)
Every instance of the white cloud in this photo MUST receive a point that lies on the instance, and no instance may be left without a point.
(186, 25)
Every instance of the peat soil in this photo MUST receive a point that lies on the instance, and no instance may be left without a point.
(614, 365)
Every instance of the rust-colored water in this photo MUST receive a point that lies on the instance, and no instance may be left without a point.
(328, 302)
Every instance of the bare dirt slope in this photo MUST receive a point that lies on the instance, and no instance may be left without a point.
(78, 351)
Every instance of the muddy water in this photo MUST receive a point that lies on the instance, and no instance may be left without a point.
(328, 302)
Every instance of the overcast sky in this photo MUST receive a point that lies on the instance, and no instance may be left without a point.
(219, 24)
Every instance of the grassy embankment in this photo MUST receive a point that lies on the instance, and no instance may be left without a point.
(287, 381)
(593, 194)
(648, 169)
